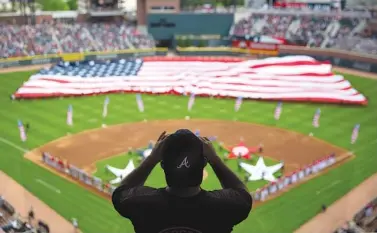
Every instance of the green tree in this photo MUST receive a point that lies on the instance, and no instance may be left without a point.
(53, 5)
(72, 4)
(13, 5)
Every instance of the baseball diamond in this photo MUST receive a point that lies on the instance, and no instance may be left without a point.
(110, 141)
(155, 102)
(288, 101)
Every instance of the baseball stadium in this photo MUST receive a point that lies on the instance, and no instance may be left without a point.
(285, 90)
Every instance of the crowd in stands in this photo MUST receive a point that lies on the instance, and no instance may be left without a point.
(40, 39)
(12, 222)
(354, 34)
(364, 221)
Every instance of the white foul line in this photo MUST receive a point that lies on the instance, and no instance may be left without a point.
(13, 145)
(47, 185)
(328, 186)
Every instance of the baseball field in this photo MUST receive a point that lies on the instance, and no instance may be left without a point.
(87, 145)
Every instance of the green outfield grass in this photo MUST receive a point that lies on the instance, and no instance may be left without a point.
(283, 214)
(157, 178)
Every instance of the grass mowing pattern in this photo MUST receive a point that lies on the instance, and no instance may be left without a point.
(283, 214)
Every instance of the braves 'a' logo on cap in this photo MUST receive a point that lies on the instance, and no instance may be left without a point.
(184, 163)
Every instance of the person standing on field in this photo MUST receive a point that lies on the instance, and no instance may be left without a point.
(182, 206)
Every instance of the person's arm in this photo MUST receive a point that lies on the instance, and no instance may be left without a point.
(236, 201)
(130, 195)
(138, 176)
(227, 178)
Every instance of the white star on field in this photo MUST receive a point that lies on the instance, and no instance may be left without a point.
(121, 173)
(260, 171)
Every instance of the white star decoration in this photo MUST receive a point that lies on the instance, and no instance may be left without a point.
(260, 171)
(121, 173)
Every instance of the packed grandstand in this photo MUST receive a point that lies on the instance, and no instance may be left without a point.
(355, 33)
(364, 221)
(315, 31)
(13, 222)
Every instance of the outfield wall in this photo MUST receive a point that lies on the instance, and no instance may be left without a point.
(54, 58)
(340, 58)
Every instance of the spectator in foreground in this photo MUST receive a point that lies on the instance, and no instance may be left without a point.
(182, 205)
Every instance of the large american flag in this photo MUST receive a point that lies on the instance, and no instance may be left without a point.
(298, 78)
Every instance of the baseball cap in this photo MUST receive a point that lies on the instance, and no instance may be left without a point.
(183, 159)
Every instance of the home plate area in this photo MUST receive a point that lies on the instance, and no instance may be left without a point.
(268, 159)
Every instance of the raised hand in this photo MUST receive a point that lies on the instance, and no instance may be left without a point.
(157, 149)
(208, 149)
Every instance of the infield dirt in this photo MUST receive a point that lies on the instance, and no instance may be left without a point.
(85, 148)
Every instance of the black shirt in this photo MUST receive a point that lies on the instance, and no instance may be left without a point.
(157, 211)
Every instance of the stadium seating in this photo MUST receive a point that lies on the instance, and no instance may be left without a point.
(315, 31)
(42, 39)
(364, 221)
(10, 221)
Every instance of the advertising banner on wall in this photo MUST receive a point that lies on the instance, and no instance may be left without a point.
(38, 60)
(257, 48)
